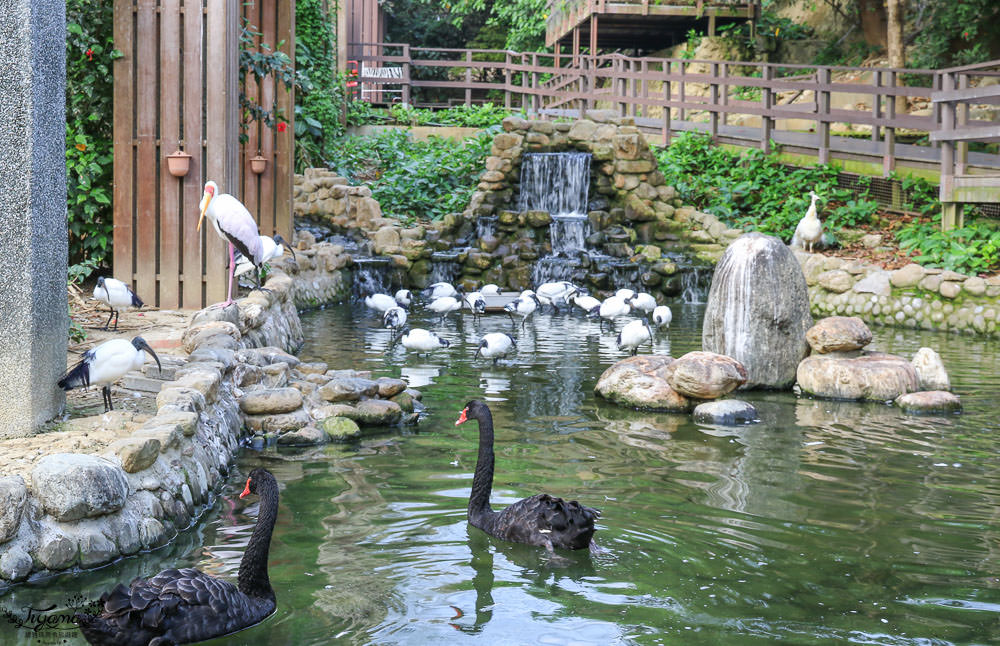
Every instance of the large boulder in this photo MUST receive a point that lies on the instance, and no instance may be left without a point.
(347, 389)
(271, 400)
(758, 310)
(838, 334)
(641, 382)
(13, 493)
(705, 375)
(72, 486)
(874, 376)
(376, 412)
(930, 370)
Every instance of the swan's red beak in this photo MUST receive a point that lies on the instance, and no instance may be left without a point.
(462, 417)
(246, 489)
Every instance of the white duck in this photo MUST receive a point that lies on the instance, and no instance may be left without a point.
(495, 345)
(634, 334)
(809, 230)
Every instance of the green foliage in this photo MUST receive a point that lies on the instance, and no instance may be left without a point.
(319, 103)
(955, 33)
(415, 179)
(771, 30)
(472, 116)
(523, 21)
(260, 60)
(89, 106)
(973, 249)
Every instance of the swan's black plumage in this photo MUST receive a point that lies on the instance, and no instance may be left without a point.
(541, 520)
(187, 605)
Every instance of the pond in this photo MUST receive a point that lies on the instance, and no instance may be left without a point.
(828, 522)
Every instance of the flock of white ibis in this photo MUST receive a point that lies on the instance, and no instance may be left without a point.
(108, 362)
(443, 299)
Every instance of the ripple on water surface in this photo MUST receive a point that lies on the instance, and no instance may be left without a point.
(827, 523)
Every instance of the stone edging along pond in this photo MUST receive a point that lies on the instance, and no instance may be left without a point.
(87, 509)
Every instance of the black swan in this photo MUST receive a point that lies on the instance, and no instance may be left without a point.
(539, 520)
(184, 606)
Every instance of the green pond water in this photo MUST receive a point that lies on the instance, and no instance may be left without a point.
(826, 523)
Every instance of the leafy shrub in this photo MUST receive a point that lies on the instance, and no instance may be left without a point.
(471, 116)
(973, 249)
(415, 179)
(319, 103)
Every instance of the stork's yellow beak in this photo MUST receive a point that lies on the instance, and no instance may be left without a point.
(205, 199)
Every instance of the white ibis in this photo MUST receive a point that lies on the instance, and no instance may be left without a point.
(439, 290)
(524, 306)
(394, 318)
(587, 303)
(495, 345)
(404, 297)
(106, 364)
(643, 302)
(422, 340)
(555, 293)
(809, 230)
(634, 334)
(380, 302)
(625, 293)
(445, 305)
(272, 248)
(662, 316)
(476, 302)
(612, 308)
(116, 295)
(235, 225)
(490, 289)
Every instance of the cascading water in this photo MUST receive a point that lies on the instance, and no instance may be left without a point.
(486, 226)
(371, 276)
(445, 267)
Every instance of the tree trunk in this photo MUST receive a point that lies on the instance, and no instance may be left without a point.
(873, 22)
(894, 44)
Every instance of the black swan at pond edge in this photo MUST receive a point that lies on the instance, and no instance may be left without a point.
(184, 606)
(539, 520)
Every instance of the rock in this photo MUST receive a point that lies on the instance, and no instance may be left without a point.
(838, 334)
(581, 130)
(876, 283)
(871, 240)
(57, 552)
(874, 376)
(167, 436)
(271, 400)
(268, 355)
(929, 401)
(705, 375)
(386, 238)
(314, 368)
(72, 486)
(388, 387)
(837, 281)
(196, 335)
(949, 289)
(377, 412)
(15, 564)
(152, 533)
(13, 493)
(729, 412)
(136, 453)
(278, 422)
(538, 219)
(975, 286)
(96, 549)
(307, 435)
(930, 370)
(405, 401)
(907, 276)
(341, 389)
(341, 429)
(182, 399)
(331, 410)
(758, 310)
(641, 382)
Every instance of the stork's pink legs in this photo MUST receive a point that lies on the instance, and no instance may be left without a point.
(232, 270)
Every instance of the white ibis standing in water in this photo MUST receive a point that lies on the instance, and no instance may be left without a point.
(394, 318)
(555, 293)
(404, 297)
(272, 248)
(612, 308)
(495, 345)
(438, 290)
(524, 306)
(634, 334)
(106, 364)
(380, 302)
(422, 340)
(116, 295)
(476, 302)
(662, 316)
(235, 225)
(586, 302)
(642, 301)
(490, 289)
(445, 305)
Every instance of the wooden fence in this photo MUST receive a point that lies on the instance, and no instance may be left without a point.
(176, 88)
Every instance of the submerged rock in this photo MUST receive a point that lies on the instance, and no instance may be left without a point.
(729, 412)
(838, 334)
(307, 435)
(929, 401)
(377, 412)
(758, 310)
(930, 370)
(641, 382)
(341, 429)
(874, 376)
(705, 375)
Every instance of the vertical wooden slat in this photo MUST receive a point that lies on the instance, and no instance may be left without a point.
(284, 162)
(889, 146)
(265, 197)
(170, 106)
(823, 124)
(193, 131)
(122, 146)
(714, 100)
(146, 167)
(249, 181)
(766, 122)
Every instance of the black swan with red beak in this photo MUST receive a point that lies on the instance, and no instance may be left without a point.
(541, 520)
(184, 606)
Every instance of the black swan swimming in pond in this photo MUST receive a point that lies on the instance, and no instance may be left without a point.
(539, 520)
(184, 606)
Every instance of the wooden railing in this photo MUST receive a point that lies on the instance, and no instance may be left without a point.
(743, 103)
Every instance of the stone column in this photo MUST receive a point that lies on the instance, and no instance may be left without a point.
(33, 237)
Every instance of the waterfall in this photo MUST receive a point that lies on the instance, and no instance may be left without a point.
(371, 276)
(695, 282)
(556, 183)
(486, 226)
(445, 267)
(569, 233)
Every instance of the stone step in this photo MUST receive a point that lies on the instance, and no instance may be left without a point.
(169, 368)
(137, 381)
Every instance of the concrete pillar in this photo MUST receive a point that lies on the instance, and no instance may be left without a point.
(33, 237)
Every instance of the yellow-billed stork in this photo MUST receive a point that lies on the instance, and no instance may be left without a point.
(106, 364)
(235, 225)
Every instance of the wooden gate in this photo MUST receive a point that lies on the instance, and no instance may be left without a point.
(176, 88)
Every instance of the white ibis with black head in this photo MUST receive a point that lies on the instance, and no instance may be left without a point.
(524, 306)
(106, 364)
(490, 289)
(662, 316)
(439, 290)
(643, 302)
(495, 345)
(235, 225)
(445, 305)
(634, 334)
(612, 308)
(394, 318)
(273, 247)
(404, 297)
(116, 295)
(380, 302)
(476, 302)
(422, 340)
